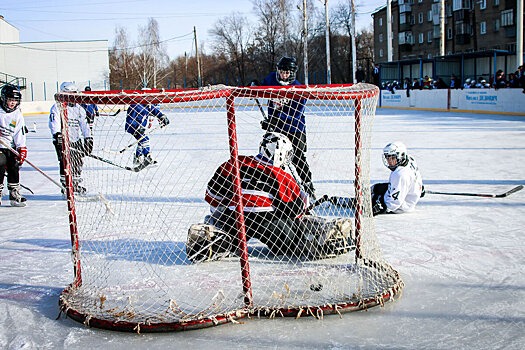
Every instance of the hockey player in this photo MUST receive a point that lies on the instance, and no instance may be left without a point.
(402, 191)
(137, 120)
(80, 140)
(91, 111)
(13, 134)
(274, 210)
(287, 117)
(405, 185)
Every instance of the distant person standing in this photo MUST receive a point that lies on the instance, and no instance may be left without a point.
(376, 76)
(12, 134)
(80, 140)
(91, 111)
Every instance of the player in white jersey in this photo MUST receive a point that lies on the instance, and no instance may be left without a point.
(80, 140)
(13, 134)
(405, 185)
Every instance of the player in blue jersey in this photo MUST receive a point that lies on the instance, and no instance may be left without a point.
(137, 121)
(286, 116)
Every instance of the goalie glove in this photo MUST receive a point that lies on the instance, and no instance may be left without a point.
(22, 155)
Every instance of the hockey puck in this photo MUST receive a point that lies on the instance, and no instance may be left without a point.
(316, 287)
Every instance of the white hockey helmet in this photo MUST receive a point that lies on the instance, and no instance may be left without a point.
(277, 148)
(398, 150)
(68, 87)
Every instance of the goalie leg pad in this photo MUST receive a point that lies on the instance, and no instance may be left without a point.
(327, 238)
(207, 243)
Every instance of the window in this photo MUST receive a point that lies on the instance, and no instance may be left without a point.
(449, 33)
(381, 37)
(421, 38)
(483, 28)
(420, 17)
(496, 2)
(496, 25)
(429, 36)
(381, 21)
(429, 16)
(507, 18)
(381, 53)
(482, 4)
(420, 1)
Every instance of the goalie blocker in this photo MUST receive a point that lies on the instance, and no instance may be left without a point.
(310, 237)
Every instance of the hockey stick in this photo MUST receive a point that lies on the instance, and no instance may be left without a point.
(34, 166)
(485, 195)
(110, 114)
(129, 168)
(320, 201)
(347, 202)
(140, 139)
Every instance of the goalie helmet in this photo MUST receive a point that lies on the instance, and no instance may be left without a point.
(277, 148)
(395, 150)
(68, 87)
(286, 70)
(10, 92)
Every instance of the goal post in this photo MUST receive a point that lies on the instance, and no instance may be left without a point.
(150, 256)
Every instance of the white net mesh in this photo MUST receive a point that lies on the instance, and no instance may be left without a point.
(139, 266)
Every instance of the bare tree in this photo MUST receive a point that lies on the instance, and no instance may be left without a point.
(153, 57)
(232, 36)
(121, 61)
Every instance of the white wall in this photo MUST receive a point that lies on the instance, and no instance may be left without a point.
(8, 33)
(45, 65)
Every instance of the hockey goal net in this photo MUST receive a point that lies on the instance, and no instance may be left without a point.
(130, 230)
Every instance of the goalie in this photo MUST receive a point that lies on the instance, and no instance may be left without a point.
(274, 210)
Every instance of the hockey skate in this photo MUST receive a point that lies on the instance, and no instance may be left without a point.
(16, 199)
(138, 160)
(207, 243)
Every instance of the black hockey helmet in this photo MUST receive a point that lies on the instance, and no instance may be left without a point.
(87, 88)
(286, 64)
(10, 92)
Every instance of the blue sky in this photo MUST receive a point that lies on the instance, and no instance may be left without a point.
(92, 20)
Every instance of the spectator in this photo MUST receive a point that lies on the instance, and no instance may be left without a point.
(376, 75)
(455, 83)
(415, 84)
(440, 84)
(427, 82)
(500, 82)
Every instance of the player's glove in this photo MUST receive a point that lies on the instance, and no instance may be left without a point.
(255, 82)
(57, 140)
(163, 121)
(22, 155)
(88, 146)
(378, 206)
(423, 192)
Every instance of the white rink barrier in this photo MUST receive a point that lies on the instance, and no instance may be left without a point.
(501, 101)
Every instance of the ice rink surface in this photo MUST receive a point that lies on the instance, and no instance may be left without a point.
(461, 258)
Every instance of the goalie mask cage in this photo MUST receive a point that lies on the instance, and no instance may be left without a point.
(129, 231)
